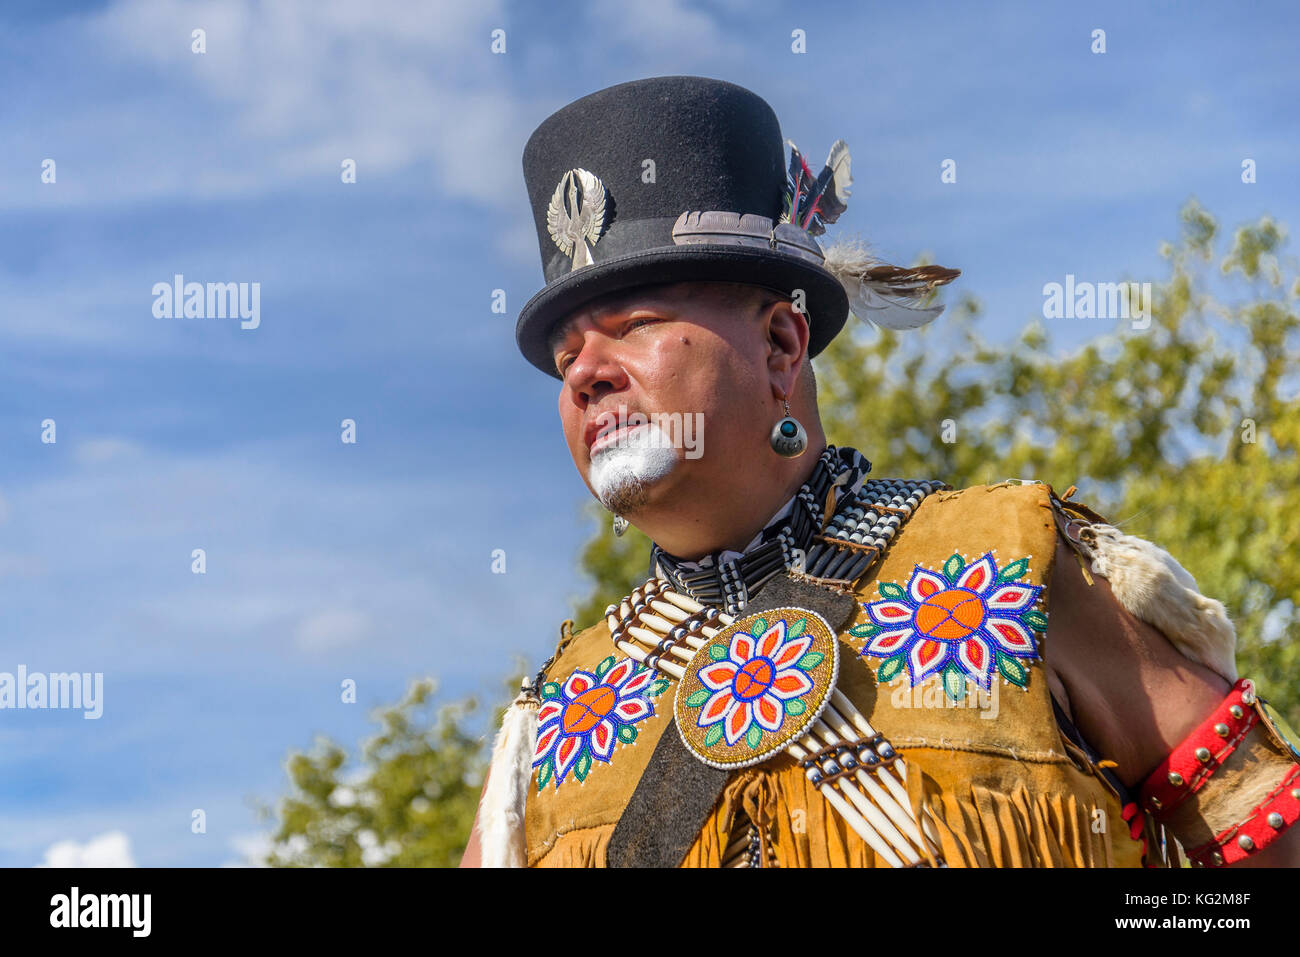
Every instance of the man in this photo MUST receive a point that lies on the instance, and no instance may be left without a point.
(822, 668)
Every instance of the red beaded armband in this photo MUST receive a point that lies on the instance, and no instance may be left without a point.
(1191, 767)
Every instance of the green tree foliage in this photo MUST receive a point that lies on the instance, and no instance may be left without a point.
(1185, 432)
(410, 802)
(617, 564)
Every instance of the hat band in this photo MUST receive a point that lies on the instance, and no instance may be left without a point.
(714, 227)
(720, 228)
(622, 237)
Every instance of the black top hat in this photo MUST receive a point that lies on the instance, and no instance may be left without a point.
(669, 179)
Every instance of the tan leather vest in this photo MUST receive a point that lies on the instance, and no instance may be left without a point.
(964, 581)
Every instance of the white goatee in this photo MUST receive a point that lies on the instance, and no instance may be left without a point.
(622, 472)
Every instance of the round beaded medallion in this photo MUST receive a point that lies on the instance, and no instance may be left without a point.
(756, 686)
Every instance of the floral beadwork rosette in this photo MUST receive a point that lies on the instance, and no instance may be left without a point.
(964, 622)
(756, 686)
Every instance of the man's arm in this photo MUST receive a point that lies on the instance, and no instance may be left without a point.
(1127, 688)
(473, 856)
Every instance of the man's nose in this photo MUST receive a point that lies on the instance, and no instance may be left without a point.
(595, 371)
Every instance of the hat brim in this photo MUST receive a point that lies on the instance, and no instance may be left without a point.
(826, 301)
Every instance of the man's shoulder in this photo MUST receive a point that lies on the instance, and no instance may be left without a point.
(993, 508)
(1113, 569)
(579, 648)
(1013, 487)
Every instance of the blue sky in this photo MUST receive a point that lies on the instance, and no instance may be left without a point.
(372, 561)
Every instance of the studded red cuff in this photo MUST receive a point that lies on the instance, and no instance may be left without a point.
(1192, 765)
(1189, 766)
(1258, 830)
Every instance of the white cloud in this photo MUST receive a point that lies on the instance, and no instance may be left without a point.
(283, 94)
(672, 30)
(107, 850)
(251, 848)
(87, 311)
(333, 628)
(98, 451)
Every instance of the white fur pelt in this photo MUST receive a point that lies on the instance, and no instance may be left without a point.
(501, 816)
(1150, 583)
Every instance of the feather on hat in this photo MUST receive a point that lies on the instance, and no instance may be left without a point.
(888, 296)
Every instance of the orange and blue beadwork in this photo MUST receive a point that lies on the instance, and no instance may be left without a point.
(962, 623)
(581, 719)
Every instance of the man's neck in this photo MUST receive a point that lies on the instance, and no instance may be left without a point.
(729, 521)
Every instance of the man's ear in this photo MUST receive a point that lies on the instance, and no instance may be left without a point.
(787, 344)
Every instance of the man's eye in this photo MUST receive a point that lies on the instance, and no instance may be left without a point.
(564, 363)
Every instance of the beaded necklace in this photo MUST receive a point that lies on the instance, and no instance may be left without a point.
(866, 515)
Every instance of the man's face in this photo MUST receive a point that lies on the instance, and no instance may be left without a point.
(681, 356)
